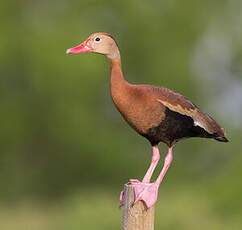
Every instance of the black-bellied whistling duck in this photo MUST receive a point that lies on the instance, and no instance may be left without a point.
(159, 114)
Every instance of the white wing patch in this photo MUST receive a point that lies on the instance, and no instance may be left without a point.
(199, 118)
(196, 123)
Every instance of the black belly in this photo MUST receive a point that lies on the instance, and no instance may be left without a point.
(174, 127)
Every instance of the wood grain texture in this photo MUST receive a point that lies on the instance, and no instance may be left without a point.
(136, 217)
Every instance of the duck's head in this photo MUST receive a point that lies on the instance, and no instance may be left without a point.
(101, 43)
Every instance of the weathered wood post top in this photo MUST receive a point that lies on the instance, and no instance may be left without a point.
(136, 217)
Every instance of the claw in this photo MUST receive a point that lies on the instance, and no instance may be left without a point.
(121, 198)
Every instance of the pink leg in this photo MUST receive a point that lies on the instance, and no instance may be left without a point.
(148, 192)
(148, 175)
(167, 164)
(154, 162)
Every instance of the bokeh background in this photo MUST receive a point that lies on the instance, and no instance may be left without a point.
(65, 151)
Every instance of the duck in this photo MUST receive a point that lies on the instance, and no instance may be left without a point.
(156, 113)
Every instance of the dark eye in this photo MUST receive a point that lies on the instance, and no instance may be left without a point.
(97, 39)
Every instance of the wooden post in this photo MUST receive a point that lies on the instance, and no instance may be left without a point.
(136, 217)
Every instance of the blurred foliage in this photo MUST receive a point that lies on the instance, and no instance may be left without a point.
(61, 138)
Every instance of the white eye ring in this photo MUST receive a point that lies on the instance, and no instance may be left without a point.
(97, 39)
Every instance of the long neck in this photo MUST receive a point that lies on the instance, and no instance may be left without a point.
(117, 78)
(118, 85)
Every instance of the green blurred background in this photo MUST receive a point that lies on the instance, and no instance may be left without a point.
(65, 151)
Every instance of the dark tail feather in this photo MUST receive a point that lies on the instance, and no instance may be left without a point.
(222, 139)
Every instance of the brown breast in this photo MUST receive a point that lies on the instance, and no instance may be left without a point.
(139, 106)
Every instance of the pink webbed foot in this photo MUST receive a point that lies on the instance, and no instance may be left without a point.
(146, 192)
(121, 197)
